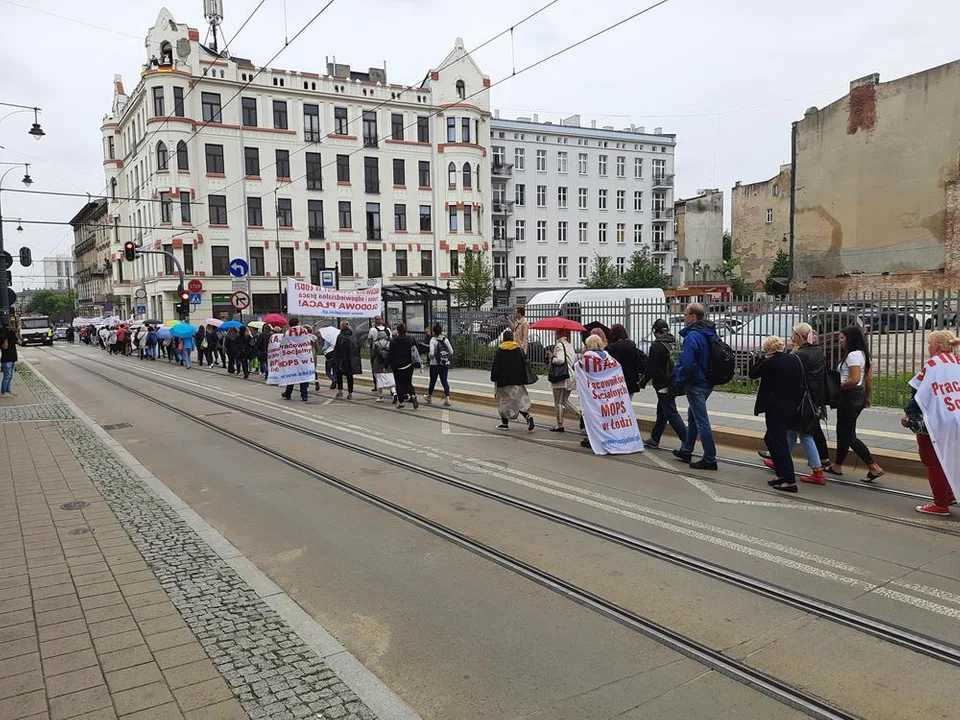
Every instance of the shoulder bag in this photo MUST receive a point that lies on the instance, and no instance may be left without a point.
(808, 411)
(833, 388)
(559, 372)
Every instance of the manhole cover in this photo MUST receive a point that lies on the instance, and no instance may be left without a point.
(75, 505)
(79, 531)
(474, 468)
(117, 426)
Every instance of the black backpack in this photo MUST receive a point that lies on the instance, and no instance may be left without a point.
(443, 353)
(721, 365)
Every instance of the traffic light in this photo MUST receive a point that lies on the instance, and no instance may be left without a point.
(183, 307)
(130, 250)
(26, 257)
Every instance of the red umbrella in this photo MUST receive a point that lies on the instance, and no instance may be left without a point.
(557, 323)
(274, 320)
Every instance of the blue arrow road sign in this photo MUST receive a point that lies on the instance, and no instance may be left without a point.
(196, 298)
(239, 267)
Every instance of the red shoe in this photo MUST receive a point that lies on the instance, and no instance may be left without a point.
(814, 478)
(769, 464)
(933, 509)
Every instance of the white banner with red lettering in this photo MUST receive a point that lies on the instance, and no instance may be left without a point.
(938, 395)
(306, 299)
(607, 411)
(290, 357)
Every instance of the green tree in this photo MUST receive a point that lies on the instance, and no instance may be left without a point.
(727, 246)
(776, 283)
(56, 304)
(603, 274)
(475, 288)
(643, 272)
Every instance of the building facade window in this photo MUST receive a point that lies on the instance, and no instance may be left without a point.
(453, 218)
(637, 233)
(426, 219)
(280, 121)
(638, 168)
(340, 122)
(210, 107)
(582, 198)
(451, 129)
(217, 205)
(638, 200)
(178, 101)
(346, 262)
(467, 218)
(220, 255)
(454, 262)
(426, 263)
(452, 176)
(370, 136)
(396, 126)
(541, 196)
(183, 159)
(562, 231)
(582, 232)
(621, 264)
(562, 162)
(345, 215)
(162, 158)
(311, 122)
(519, 159)
(166, 208)
(465, 129)
(467, 176)
(541, 231)
(769, 215)
(621, 232)
(158, 102)
(399, 172)
(343, 168)
(256, 262)
(254, 212)
(461, 90)
(621, 199)
(286, 262)
(374, 230)
(251, 161)
(562, 268)
(602, 233)
(374, 263)
(423, 173)
(402, 270)
(318, 263)
(282, 164)
(314, 171)
(541, 267)
(248, 112)
(315, 219)
(214, 158)
(602, 165)
(561, 197)
(541, 160)
(400, 217)
(602, 199)
(583, 267)
(621, 166)
(371, 175)
(423, 129)
(285, 212)
(188, 259)
(520, 194)
(582, 163)
(520, 230)
(186, 215)
(520, 267)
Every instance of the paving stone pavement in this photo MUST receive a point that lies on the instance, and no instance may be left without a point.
(111, 606)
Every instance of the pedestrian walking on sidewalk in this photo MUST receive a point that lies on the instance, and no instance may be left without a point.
(403, 360)
(778, 400)
(440, 355)
(378, 331)
(856, 385)
(941, 431)
(625, 351)
(246, 350)
(232, 348)
(187, 347)
(811, 436)
(8, 359)
(509, 374)
(690, 379)
(561, 360)
(347, 353)
(659, 371)
(378, 340)
(263, 341)
(520, 328)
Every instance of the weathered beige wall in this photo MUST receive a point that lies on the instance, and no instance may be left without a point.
(702, 221)
(755, 241)
(873, 171)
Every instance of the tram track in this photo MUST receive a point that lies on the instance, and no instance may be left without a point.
(887, 632)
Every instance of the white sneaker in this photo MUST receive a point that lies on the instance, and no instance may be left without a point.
(380, 399)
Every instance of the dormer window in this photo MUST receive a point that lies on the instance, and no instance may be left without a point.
(461, 90)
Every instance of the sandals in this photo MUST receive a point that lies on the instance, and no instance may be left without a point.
(782, 485)
(557, 429)
(871, 476)
(831, 470)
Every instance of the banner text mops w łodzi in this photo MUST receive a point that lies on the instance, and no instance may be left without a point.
(306, 299)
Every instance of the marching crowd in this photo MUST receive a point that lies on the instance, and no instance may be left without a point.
(796, 387)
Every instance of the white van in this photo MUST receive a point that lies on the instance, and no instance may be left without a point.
(635, 308)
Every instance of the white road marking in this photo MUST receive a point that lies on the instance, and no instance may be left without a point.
(446, 430)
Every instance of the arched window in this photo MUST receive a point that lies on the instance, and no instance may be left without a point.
(452, 175)
(183, 161)
(113, 188)
(161, 156)
(166, 54)
(467, 176)
(461, 90)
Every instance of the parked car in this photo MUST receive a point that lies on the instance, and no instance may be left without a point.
(60, 332)
(889, 319)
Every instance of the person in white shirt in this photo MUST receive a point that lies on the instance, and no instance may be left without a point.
(856, 383)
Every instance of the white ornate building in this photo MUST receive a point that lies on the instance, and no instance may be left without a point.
(563, 194)
(300, 171)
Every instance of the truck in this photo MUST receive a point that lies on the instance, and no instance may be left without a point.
(35, 329)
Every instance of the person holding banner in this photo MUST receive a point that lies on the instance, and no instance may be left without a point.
(347, 354)
(290, 357)
(509, 374)
(608, 414)
(933, 414)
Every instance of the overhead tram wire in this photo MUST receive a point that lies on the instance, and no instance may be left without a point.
(158, 228)
(89, 196)
(522, 70)
(404, 90)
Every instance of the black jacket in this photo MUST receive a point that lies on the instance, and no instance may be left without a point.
(659, 370)
(400, 354)
(509, 365)
(816, 365)
(263, 340)
(625, 352)
(781, 387)
(346, 352)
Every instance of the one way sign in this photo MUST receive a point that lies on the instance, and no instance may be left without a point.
(239, 267)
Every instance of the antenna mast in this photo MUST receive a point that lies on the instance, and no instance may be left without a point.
(213, 12)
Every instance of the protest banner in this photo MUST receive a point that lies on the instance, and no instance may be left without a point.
(938, 395)
(290, 357)
(605, 403)
(306, 299)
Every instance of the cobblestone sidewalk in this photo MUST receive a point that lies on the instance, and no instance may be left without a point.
(112, 606)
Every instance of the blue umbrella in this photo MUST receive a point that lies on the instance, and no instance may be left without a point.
(230, 324)
(163, 333)
(183, 330)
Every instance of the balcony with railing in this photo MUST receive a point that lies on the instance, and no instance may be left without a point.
(370, 141)
(501, 207)
(663, 180)
(662, 214)
(501, 169)
(662, 246)
(374, 234)
(502, 244)
(316, 233)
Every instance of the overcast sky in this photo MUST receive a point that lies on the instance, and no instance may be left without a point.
(727, 76)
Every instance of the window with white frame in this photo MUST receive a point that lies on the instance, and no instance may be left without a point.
(541, 267)
(637, 233)
(520, 231)
(583, 267)
(520, 194)
(541, 160)
(638, 168)
(602, 165)
(621, 232)
(659, 168)
(621, 264)
(519, 159)
(520, 267)
(621, 166)
(562, 231)
(621, 199)
(582, 163)
(638, 200)
(582, 198)
(541, 196)
(769, 215)
(562, 268)
(659, 235)
(541, 231)
(500, 266)
(561, 197)
(498, 154)
(582, 232)
(562, 161)
(602, 199)
(602, 233)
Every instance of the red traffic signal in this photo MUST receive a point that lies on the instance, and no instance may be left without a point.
(185, 297)
(130, 250)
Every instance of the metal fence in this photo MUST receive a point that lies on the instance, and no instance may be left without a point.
(896, 326)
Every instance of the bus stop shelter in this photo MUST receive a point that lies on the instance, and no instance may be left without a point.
(418, 306)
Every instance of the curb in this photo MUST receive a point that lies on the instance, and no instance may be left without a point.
(893, 461)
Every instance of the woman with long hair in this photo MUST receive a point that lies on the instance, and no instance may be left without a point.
(561, 361)
(856, 383)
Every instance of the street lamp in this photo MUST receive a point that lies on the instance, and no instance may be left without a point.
(35, 130)
(4, 294)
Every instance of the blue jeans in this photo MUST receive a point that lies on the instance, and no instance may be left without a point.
(698, 423)
(7, 376)
(186, 357)
(809, 447)
(439, 371)
(667, 413)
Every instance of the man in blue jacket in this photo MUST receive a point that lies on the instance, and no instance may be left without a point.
(690, 379)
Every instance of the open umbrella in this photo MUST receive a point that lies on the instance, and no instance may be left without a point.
(231, 325)
(255, 324)
(275, 319)
(183, 330)
(557, 323)
(213, 321)
(590, 327)
(152, 322)
(163, 333)
(171, 323)
(329, 334)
